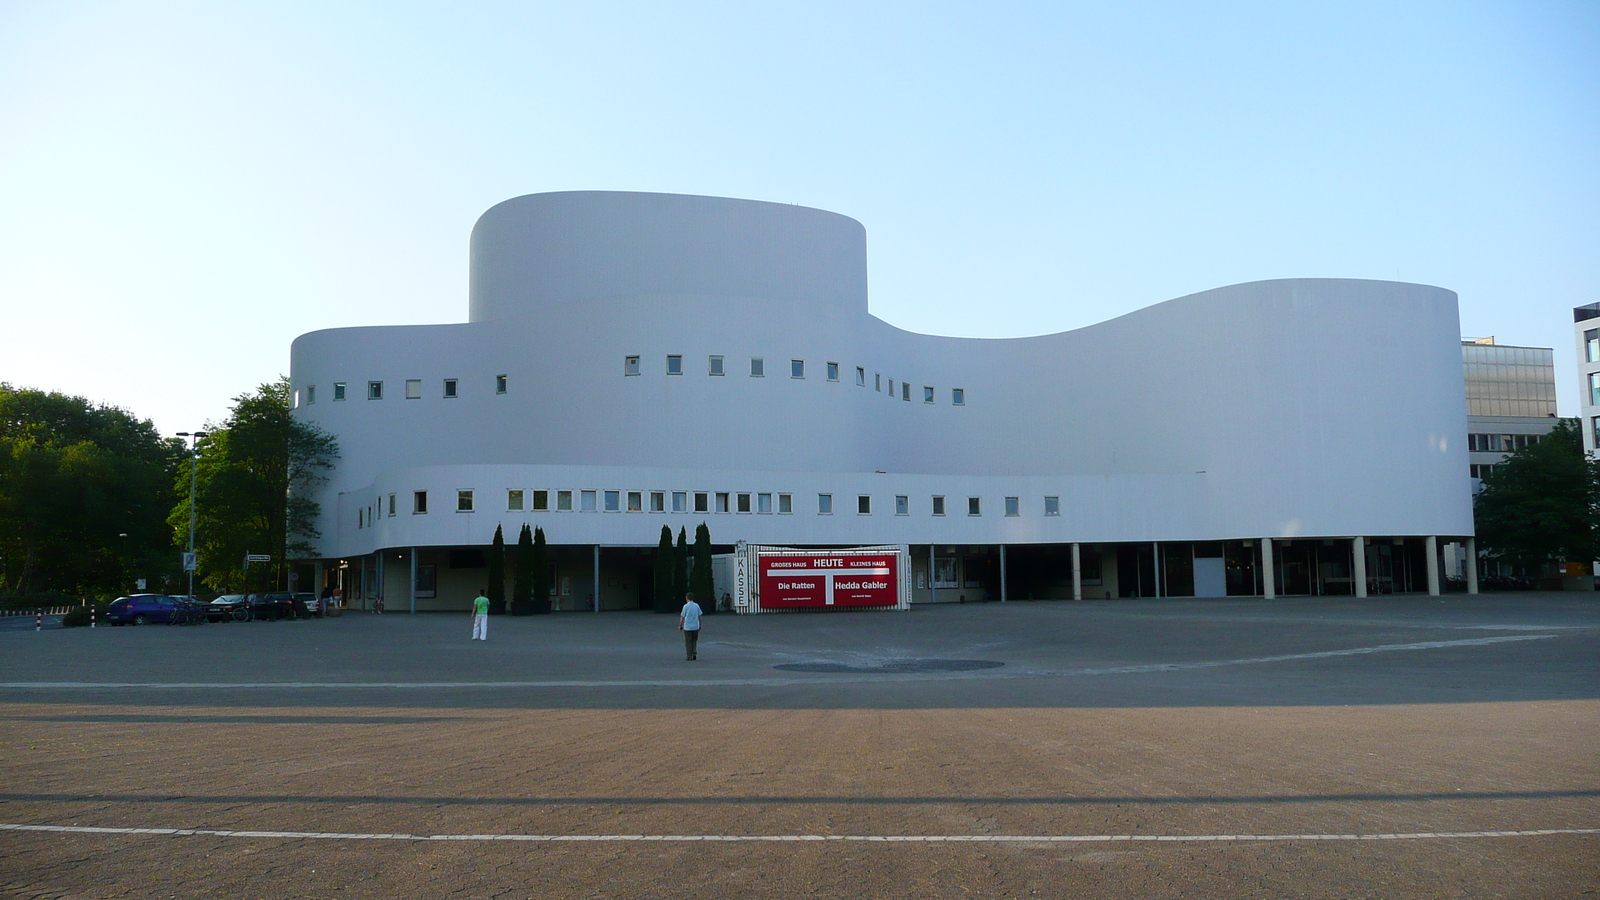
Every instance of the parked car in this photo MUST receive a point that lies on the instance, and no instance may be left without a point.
(309, 605)
(228, 607)
(142, 609)
(273, 606)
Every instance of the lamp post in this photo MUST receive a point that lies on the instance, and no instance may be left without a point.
(194, 457)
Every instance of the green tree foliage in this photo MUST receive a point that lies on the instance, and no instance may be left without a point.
(496, 590)
(1542, 504)
(680, 569)
(539, 567)
(522, 581)
(254, 480)
(665, 554)
(84, 491)
(700, 580)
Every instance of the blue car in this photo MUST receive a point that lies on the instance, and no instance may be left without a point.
(142, 609)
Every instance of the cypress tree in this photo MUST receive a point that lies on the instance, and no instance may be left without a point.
(522, 581)
(539, 574)
(663, 565)
(497, 574)
(680, 570)
(700, 580)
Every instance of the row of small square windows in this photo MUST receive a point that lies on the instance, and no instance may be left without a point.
(452, 388)
(715, 365)
(704, 502)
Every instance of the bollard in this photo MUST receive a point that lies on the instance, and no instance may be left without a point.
(38, 619)
(92, 612)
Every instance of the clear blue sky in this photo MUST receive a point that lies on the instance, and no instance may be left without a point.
(186, 187)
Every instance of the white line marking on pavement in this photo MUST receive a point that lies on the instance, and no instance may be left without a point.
(787, 838)
(1017, 672)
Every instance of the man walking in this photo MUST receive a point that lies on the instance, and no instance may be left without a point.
(689, 624)
(480, 617)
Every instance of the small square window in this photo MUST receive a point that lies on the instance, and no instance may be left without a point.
(391, 504)
(785, 504)
(833, 371)
(877, 382)
(311, 394)
(958, 397)
(419, 503)
(744, 503)
(338, 390)
(797, 368)
(927, 394)
(674, 365)
(413, 388)
(764, 504)
(463, 501)
(500, 384)
(563, 501)
(861, 377)
(630, 365)
(613, 501)
(1052, 506)
(864, 505)
(449, 388)
(635, 501)
(758, 367)
(1013, 506)
(824, 504)
(902, 505)
(973, 507)
(891, 389)
(905, 391)
(361, 521)
(586, 501)
(680, 501)
(374, 390)
(541, 501)
(702, 502)
(714, 365)
(722, 501)
(513, 501)
(658, 501)
(938, 505)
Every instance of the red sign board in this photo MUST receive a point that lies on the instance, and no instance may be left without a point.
(834, 578)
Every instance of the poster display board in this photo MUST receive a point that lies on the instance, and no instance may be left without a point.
(799, 579)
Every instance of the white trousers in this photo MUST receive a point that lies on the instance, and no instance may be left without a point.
(480, 628)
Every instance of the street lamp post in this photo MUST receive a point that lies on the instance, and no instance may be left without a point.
(194, 457)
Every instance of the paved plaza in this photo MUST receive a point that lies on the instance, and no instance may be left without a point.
(1394, 747)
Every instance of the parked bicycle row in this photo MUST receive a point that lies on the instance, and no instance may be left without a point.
(167, 609)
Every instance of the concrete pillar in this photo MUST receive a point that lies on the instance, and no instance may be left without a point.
(413, 581)
(1472, 565)
(933, 591)
(597, 578)
(1002, 573)
(1077, 573)
(1433, 565)
(1156, 566)
(1358, 546)
(1269, 590)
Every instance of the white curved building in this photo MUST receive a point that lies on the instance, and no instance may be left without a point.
(633, 360)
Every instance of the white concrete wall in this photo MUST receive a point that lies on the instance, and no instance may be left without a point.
(1312, 407)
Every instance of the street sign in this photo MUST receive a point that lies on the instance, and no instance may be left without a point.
(189, 562)
(258, 557)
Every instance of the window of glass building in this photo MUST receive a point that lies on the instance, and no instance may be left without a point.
(374, 390)
(944, 572)
(877, 381)
(824, 504)
(758, 367)
(797, 368)
(973, 507)
(311, 394)
(1594, 388)
(513, 501)
(722, 501)
(863, 504)
(833, 371)
(714, 365)
(636, 501)
(541, 501)
(586, 501)
(861, 377)
(1591, 345)
(563, 501)
(413, 388)
(658, 501)
(763, 504)
(958, 397)
(785, 504)
(338, 390)
(927, 394)
(938, 505)
(449, 388)
(905, 391)
(680, 501)
(419, 502)
(463, 501)
(500, 384)
(674, 365)
(744, 503)
(391, 504)
(902, 505)
(1013, 506)
(612, 501)
(630, 365)
(702, 502)
(1052, 506)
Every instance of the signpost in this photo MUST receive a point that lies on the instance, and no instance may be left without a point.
(189, 561)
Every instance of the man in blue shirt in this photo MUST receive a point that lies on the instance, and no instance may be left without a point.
(689, 624)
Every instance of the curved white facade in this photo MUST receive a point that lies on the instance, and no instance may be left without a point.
(1294, 408)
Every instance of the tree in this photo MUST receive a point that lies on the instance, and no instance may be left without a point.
(680, 569)
(84, 491)
(1542, 504)
(663, 565)
(700, 580)
(254, 480)
(539, 567)
(522, 581)
(497, 573)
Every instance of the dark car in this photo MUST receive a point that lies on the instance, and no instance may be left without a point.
(309, 605)
(274, 606)
(228, 607)
(142, 609)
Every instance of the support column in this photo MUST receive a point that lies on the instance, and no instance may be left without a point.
(1433, 565)
(1077, 573)
(1269, 589)
(1156, 564)
(413, 581)
(933, 592)
(1472, 565)
(1358, 546)
(1002, 573)
(597, 578)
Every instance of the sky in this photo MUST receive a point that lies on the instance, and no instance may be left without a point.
(187, 187)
